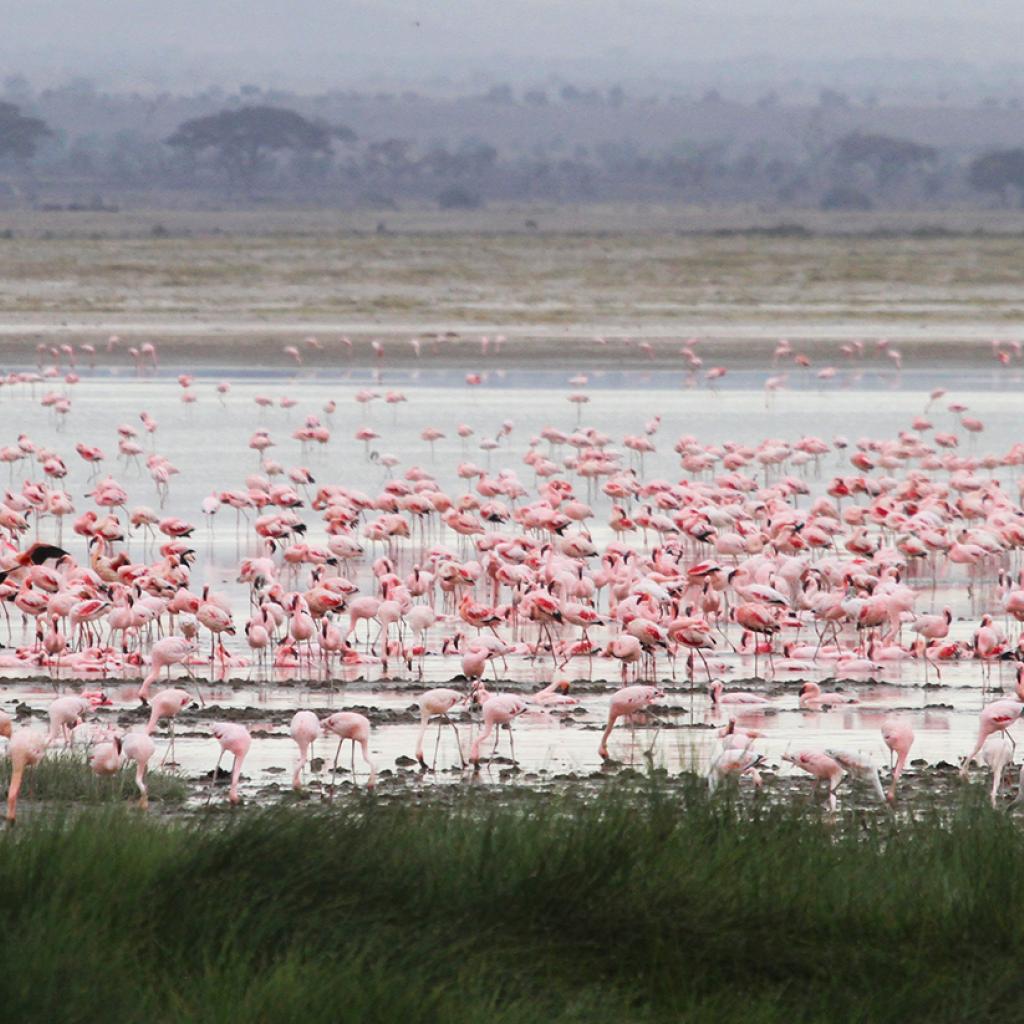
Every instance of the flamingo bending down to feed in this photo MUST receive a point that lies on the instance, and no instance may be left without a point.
(166, 704)
(625, 703)
(437, 703)
(25, 748)
(349, 725)
(304, 729)
(899, 738)
(139, 747)
(822, 766)
(735, 761)
(234, 739)
(500, 709)
(997, 717)
(168, 651)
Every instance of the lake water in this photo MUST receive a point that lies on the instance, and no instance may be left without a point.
(208, 442)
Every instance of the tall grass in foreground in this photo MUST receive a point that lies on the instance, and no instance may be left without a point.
(65, 777)
(629, 907)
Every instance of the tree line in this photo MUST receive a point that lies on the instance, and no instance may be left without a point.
(265, 151)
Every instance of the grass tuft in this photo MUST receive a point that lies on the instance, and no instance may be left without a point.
(65, 777)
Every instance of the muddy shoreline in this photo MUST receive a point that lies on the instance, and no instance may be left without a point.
(234, 346)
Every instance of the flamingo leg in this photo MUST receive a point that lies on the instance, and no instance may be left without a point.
(213, 780)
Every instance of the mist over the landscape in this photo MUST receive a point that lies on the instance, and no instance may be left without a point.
(313, 45)
(463, 105)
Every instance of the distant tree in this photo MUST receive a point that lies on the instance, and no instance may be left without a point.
(888, 157)
(459, 198)
(831, 99)
(20, 135)
(1001, 172)
(501, 93)
(393, 156)
(343, 133)
(845, 197)
(476, 158)
(243, 139)
(536, 97)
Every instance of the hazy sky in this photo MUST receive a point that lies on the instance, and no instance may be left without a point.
(329, 42)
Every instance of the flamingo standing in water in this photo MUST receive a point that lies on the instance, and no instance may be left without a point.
(500, 709)
(997, 754)
(349, 725)
(167, 704)
(859, 767)
(625, 703)
(735, 761)
(997, 717)
(437, 703)
(899, 738)
(822, 767)
(304, 729)
(139, 747)
(168, 651)
(234, 739)
(25, 748)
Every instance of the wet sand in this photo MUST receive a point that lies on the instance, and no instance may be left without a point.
(746, 346)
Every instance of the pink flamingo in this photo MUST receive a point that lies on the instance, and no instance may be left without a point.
(234, 739)
(171, 650)
(139, 747)
(348, 725)
(820, 765)
(735, 761)
(437, 703)
(997, 717)
(167, 704)
(899, 738)
(500, 709)
(25, 748)
(719, 696)
(627, 702)
(812, 696)
(304, 729)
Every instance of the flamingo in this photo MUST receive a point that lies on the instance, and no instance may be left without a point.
(25, 748)
(304, 729)
(627, 702)
(500, 709)
(437, 703)
(234, 739)
(171, 650)
(899, 738)
(348, 725)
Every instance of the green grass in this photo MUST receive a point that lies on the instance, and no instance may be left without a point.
(630, 907)
(65, 777)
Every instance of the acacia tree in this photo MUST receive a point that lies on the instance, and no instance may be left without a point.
(1001, 171)
(243, 139)
(20, 135)
(888, 158)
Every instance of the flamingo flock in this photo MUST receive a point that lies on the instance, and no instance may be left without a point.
(567, 562)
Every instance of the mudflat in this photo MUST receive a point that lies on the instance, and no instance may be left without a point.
(235, 287)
